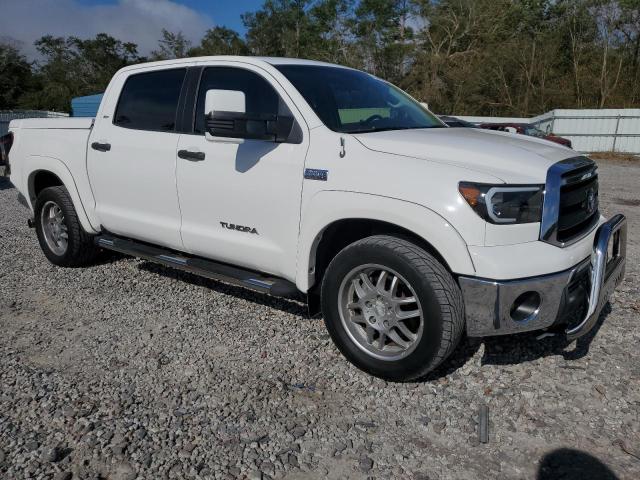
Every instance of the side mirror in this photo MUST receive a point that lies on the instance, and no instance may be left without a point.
(226, 117)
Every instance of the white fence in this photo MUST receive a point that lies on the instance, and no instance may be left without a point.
(591, 130)
(7, 115)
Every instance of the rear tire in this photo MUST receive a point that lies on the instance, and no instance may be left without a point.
(60, 234)
(398, 325)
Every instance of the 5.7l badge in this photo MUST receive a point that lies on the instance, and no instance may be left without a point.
(239, 228)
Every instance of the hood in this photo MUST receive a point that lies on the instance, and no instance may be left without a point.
(511, 158)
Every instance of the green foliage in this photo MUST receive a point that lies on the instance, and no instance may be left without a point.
(497, 57)
(172, 45)
(16, 77)
(220, 41)
(74, 67)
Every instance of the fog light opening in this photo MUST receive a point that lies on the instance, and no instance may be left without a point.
(525, 307)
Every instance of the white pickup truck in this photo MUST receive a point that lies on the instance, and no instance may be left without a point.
(288, 176)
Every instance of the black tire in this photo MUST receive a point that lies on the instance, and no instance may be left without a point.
(438, 293)
(80, 250)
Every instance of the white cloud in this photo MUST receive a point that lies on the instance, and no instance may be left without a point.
(137, 21)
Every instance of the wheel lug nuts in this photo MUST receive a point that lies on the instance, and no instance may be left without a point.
(386, 323)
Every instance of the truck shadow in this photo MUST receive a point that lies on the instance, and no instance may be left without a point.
(570, 464)
(501, 350)
(293, 306)
(5, 184)
(526, 347)
(518, 348)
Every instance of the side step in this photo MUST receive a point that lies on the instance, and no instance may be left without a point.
(199, 266)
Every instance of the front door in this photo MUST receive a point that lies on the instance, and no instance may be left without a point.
(240, 200)
(131, 159)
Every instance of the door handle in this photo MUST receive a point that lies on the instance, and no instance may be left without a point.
(194, 156)
(101, 147)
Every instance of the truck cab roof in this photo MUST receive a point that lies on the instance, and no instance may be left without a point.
(232, 58)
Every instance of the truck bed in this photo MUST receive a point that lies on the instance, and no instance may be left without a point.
(52, 123)
(55, 145)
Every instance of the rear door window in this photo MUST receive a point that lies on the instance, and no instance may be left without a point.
(149, 101)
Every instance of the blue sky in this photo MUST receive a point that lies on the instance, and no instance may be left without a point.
(223, 12)
(139, 21)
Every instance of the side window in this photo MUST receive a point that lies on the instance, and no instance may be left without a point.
(149, 101)
(260, 97)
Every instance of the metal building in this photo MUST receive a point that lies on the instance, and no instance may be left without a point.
(595, 130)
(590, 130)
(86, 106)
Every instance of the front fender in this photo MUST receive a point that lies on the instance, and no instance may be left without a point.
(329, 206)
(36, 163)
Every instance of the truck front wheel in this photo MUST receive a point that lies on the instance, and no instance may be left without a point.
(60, 234)
(392, 309)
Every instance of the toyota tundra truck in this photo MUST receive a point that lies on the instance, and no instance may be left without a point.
(290, 176)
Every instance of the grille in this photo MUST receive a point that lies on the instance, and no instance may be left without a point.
(578, 210)
(570, 209)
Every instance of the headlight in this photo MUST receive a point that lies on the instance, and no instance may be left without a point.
(504, 204)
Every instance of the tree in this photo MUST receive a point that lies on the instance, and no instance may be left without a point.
(279, 28)
(476, 57)
(385, 37)
(329, 26)
(171, 45)
(74, 67)
(16, 77)
(220, 41)
(313, 29)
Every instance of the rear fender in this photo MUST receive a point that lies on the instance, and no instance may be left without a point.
(36, 163)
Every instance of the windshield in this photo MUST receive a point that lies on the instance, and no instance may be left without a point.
(350, 101)
(534, 132)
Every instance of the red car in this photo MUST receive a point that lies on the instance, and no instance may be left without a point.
(526, 129)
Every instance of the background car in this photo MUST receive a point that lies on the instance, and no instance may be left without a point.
(526, 129)
(456, 122)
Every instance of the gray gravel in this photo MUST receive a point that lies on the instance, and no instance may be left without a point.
(128, 370)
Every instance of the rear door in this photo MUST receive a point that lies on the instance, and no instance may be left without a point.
(132, 157)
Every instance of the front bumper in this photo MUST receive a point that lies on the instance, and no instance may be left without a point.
(572, 298)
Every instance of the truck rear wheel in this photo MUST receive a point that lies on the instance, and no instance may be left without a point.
(60, 234)
(391, 308)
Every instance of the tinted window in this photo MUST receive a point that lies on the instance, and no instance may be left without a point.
(260, 97)
(149, 101)
(534, 132)
(351, 101)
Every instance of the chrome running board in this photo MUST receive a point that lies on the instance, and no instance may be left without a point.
(252, 280)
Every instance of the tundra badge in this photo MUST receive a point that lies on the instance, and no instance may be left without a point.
(240, 228)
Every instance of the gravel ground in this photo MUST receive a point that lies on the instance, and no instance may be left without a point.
(127, 370)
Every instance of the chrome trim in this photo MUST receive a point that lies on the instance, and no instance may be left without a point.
(604, 280)
(488, 302)
(258, 283)
(551, 201)
(172, 259)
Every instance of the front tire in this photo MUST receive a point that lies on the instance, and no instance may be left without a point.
(60, 234)
(391, 308)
